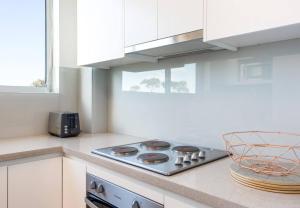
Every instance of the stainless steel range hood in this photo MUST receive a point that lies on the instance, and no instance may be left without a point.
(172, 46)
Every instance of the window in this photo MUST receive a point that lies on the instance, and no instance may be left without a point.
(23, 44)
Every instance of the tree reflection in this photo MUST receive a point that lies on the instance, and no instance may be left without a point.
(151, 84)
(180, 86)
(135, 88)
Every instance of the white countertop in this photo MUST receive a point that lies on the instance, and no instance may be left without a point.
(209, 184)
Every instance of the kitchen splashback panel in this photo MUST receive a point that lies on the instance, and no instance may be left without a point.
(196, 98)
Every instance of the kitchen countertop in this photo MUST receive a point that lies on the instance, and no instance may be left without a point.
(209, 184)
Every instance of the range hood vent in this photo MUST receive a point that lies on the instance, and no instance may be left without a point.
(182, 44)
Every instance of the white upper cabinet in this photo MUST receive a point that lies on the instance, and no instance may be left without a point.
(100, 30)
(148, 20)
(249, 22)
(67, 32)
(3, 187)
(140, 21)
(178, 16)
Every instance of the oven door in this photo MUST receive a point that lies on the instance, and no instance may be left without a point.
(94, 202)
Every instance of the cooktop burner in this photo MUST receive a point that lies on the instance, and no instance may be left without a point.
(186, 149)
(124, 150)
(151, 158)
(166, 158)
(156, 145)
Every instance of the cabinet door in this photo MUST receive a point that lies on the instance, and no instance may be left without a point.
(74, 174)
(177, 17)
(140, 21)
(3, 187)
(36, 184)
(100, 31)
(230, 18)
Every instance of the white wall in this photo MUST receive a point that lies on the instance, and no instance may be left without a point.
(25, 114)
(92, 100)
(81, 90)
(85, 99)
(256, 88)
(100, 100)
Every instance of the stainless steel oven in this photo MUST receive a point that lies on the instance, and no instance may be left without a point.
(103, 194)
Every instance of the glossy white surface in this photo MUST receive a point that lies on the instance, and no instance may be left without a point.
(67, 33)
(177, 17)
(140, 21)
(100, 34)
(256, 88)
(250, 22)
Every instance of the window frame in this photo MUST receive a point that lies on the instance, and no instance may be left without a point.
(49, 63)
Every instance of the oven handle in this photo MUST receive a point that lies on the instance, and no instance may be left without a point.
(89, 203)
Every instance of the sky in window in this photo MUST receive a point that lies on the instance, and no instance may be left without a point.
(22, 42)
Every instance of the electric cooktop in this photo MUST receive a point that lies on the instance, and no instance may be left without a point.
(163, 157)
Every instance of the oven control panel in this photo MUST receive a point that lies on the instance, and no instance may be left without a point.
(116, 196)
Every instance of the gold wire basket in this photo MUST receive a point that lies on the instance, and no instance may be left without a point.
(270, 153)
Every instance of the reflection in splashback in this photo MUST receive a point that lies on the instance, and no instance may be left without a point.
(254, 71)
(196, 98)
(145, 81)
(169, 80)
(183, 79)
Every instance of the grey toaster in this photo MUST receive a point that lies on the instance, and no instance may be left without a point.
(64, 124)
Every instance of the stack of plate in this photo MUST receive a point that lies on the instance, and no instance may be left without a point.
(280, 184)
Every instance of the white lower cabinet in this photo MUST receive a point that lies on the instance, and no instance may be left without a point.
(172, 201)
(35, 184)
(61, 183)
(3, 187)
(74, 183)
